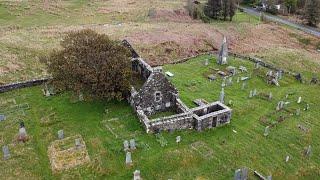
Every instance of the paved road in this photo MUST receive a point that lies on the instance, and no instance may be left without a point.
(306, 29)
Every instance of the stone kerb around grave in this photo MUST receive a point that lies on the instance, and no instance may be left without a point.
(18, 85)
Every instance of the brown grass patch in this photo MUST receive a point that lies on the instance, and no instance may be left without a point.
(63, 154)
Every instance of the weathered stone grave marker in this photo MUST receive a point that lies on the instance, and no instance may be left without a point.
(308, 151)
(136, 175)
(2, 117)
(132, 144)
(178, 139)
(241, 174)
(6, 152)
(229, 82)
(60, 134)
(206, 62)
(250, 94)
(254, 93)
(298, 112)
(287, 158)
(125, 145)
(270, 96)
(22, 134)
(128, 159)
(299, 100)
(78, 143)
(238, 79)
(266, 131)
(244, 85)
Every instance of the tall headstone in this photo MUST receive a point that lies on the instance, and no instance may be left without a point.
(125, 145)
(136, 175)
(222, 96)
(6, 152)
(298, 112)
(223, 52)
(81, 97)
(60, 134)
(132, 144)
(128, 158)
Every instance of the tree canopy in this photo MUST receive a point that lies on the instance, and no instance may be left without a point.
(91, 64)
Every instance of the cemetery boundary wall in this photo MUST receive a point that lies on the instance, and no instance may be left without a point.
(18, 85)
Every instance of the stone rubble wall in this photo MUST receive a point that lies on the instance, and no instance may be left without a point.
(175, 122)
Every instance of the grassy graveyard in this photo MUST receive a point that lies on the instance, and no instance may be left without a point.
(212, 154)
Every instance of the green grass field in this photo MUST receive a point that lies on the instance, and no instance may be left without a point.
(211, 154)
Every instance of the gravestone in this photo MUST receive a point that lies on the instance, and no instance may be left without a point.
(78, 143)
(237, 174)
(136, 175)
(22, 134)
(287, 158)
(6, 152)
(299, 100)
(270, 96)
(298, 112)
(308, 151)
(266, 131)
(125, 145)
(212, 77)
(314, 80)
(2, 117)
(60, 134)
(307, 107)
(257, 65)
(132, 144)
(243, 69)
(250, 94)
(231, 70)
(128, 158)
(206, 62)
(241, 174)
(238, 79)
(254, 93)
(222, 96)
(223, 53)
(178, 139)
(298, 77)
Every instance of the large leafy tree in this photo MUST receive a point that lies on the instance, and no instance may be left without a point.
(91, 64)
(217, 9)
(312, 12)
